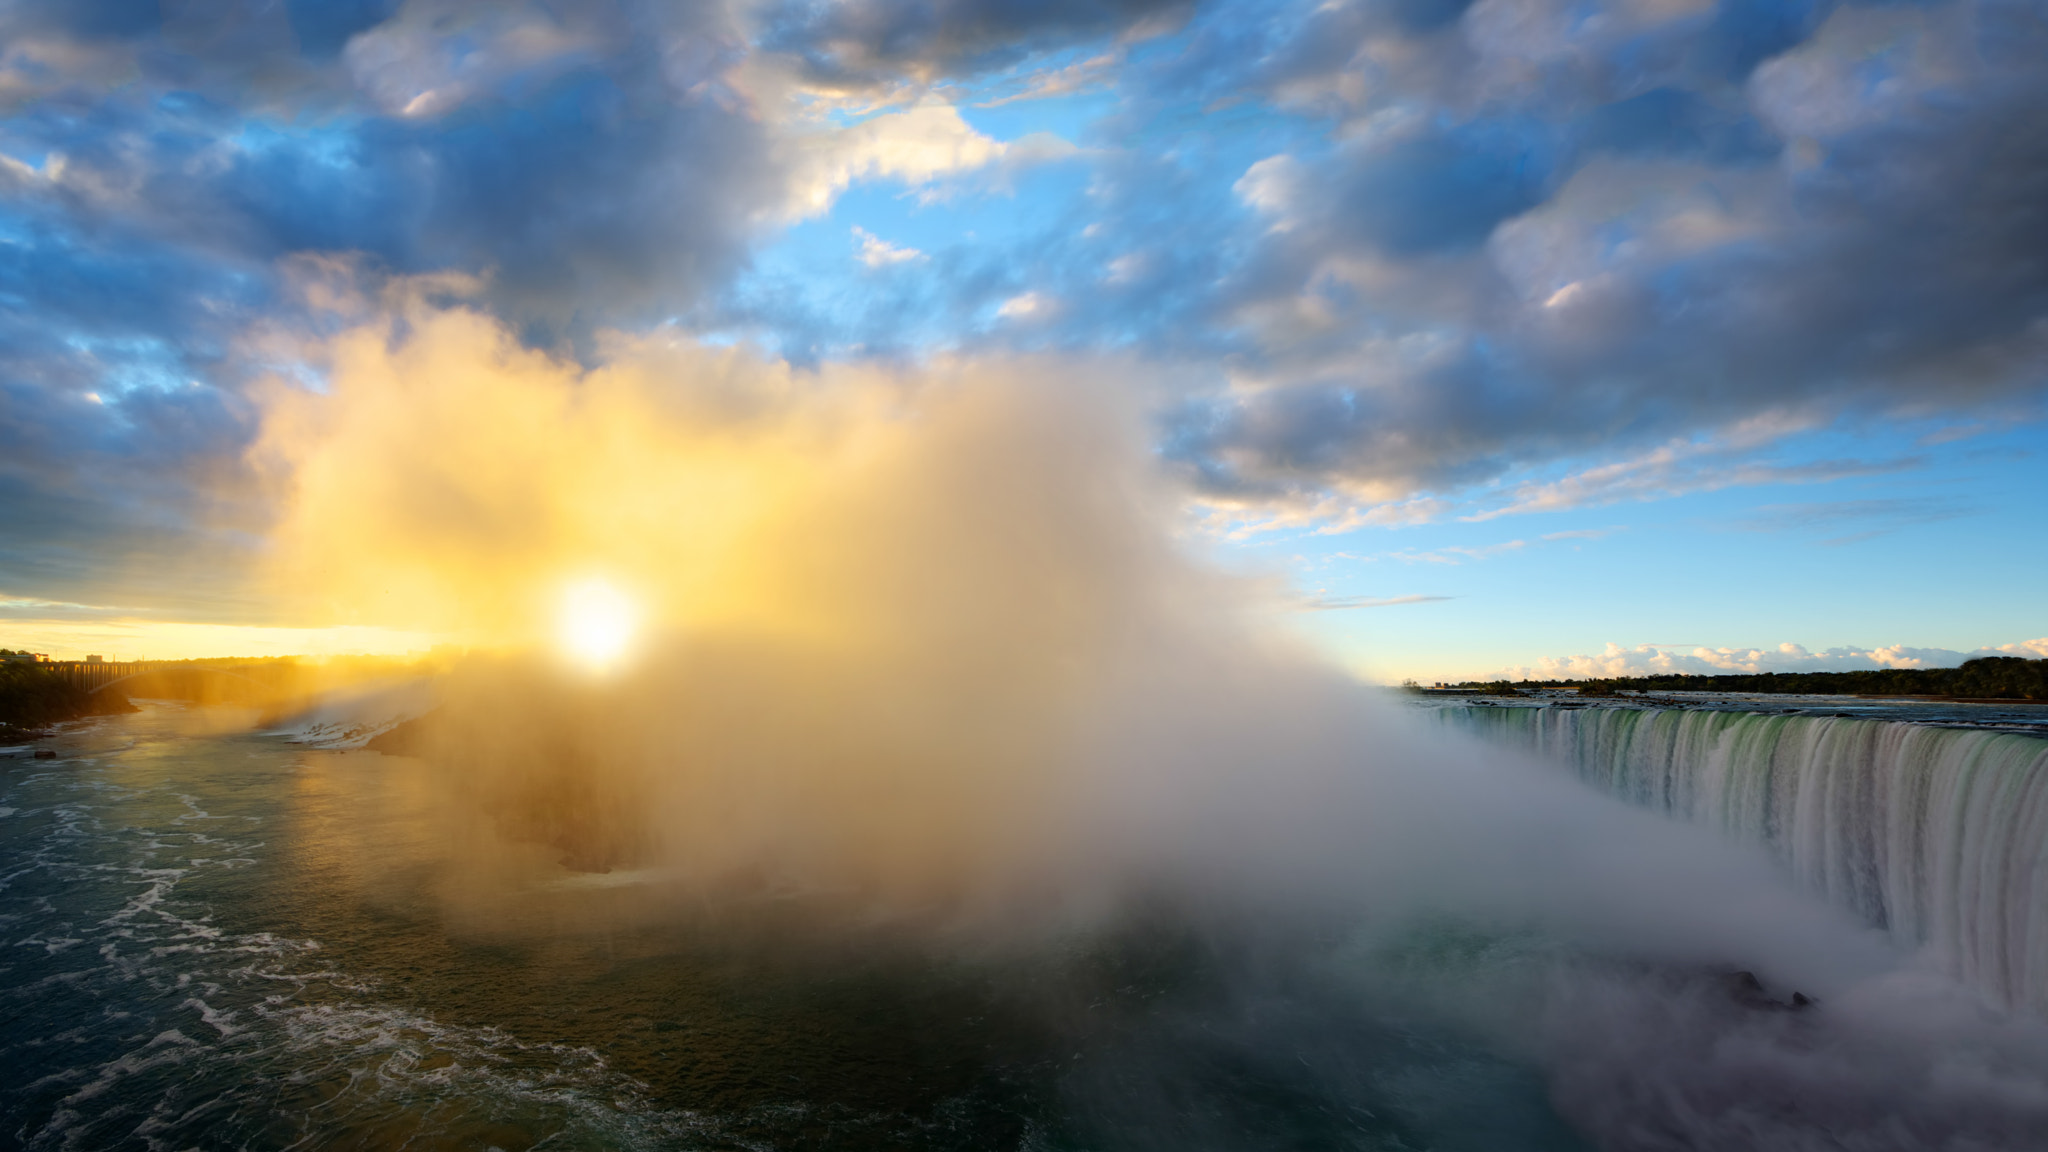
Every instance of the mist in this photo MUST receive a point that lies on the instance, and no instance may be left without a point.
(927, 636)
(925, 649)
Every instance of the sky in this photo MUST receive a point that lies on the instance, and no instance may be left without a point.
(1501, 338)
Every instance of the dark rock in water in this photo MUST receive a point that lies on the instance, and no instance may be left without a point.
(46, 754)
(1745, 989)
(1744, 986)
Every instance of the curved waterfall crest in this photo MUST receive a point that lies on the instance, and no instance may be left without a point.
(1937, 835)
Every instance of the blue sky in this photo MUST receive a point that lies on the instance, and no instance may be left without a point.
(1525, 335)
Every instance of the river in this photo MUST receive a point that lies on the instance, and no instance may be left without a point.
(215, 938)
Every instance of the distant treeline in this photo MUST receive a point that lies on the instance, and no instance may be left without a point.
(1985, 678)
(33, 697)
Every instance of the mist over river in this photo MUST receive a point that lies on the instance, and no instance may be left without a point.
(214, 938)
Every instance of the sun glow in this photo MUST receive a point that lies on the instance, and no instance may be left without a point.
(452, 483)
(596, 623)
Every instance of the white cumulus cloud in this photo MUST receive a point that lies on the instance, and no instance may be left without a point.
(921, 146)
(1700, 660)
(876, 252)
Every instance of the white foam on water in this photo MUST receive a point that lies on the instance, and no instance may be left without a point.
(268, 1014)
(351, 718)
(223, 1021)
(622, 878)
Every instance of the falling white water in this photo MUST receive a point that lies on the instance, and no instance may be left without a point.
(1937, 835)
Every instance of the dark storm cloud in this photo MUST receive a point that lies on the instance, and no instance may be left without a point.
(866, 41)
(163, 163)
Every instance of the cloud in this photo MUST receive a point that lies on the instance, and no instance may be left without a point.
(1870, 518)
(1428, 258)
(2031, 649)
(591, 159)
(269, 55)
(1414, 189)
(446, 480)
(1650, 660)
(1335, 603)
(1457, 554)
(165, 175)
(1080, 76)
(116, 460)
(36, 62)
(1675, 470)
(919, 146)
(876, 252)
(1027, 306)
(412, 66)
(13, 608)
(1543, 234)
(856, 42)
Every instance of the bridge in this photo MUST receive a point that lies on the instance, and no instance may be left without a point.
(97, 675)
(176, 679)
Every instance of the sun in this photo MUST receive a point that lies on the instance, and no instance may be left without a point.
(596, 623)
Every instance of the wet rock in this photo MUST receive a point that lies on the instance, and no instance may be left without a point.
(1745, 989)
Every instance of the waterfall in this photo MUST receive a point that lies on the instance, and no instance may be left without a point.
(1937, 835)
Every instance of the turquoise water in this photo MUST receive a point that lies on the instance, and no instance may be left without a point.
(211, 938)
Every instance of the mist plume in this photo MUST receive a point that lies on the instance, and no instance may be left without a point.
(921, 636)
(923, 651)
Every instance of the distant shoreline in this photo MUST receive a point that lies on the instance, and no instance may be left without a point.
(33, 697)
(1985, 680)
(1658, 694)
